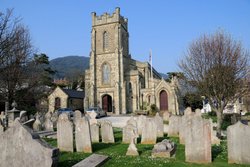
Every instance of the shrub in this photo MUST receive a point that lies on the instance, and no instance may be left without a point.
(153, 109)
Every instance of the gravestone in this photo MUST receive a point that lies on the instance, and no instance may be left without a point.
(132, 121)
(141, 120)
(214, 138)
(188, 111)
(64, 133)
(198, 141)
(132, 150)
(165, 148)
(20, 147)
(149, 132)
(37, 126)
(13, 114)
(77, 115)
(48, 124)
(198, 112)
(159, 124)
(23, 116)
(183, 127)
(174, 123)
(166, 116)
(95, 132)
(54, 118)
(128, 132)
(82, 135)
(92, 117)
(107, 132)
(94, 160)
(1, 127)
(238, 143)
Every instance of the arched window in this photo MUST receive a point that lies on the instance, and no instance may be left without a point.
(105, 74)
(130, 87)
(57, 103)
(149, 97)
(105, 40)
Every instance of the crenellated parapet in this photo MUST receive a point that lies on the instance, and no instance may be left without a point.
(108, 18)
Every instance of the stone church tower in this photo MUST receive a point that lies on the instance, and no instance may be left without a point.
(115, 82)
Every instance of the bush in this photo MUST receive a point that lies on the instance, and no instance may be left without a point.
(226, 121)
(153, 110)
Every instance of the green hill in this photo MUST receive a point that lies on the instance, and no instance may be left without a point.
(69, 66)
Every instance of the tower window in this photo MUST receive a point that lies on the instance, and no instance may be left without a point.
(105, 40)
(106, 73)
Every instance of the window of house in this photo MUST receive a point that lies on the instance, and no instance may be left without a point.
(57, 103)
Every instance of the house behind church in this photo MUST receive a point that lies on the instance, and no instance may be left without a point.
(65, 98)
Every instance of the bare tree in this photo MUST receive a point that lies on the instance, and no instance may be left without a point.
(15, 52)
(217, 66)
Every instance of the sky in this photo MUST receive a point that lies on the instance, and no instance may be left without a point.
(60, 28)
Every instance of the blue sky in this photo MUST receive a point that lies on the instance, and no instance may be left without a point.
(60, 28)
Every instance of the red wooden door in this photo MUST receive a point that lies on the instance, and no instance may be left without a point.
(163, 100)
(107, 103)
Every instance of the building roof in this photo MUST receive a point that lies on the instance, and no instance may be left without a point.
(74, 93)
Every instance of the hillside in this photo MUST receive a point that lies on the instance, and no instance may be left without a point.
(69, 66)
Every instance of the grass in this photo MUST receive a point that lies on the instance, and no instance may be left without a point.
(117, 153)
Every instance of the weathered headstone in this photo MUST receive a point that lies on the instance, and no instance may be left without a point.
(92, 117)
(77, 115)
(48, 124)
(165, 148)
(198, 141)
(238, 143)
(95, 132)
(214, 138)
(1, 127)
(132, 150)
(174, 123)
(166, 116)
(159, 124)
(37, 126)
(94, 160)
(188, 111)
(54, 118)
(132, 121)
(141, 120)
(21, 147)
(149, 132)
(23, 116)
(107, 132)
(198, 112)
(183, 127)
(82, 136)
(13, 114)
(128, 132)
(64, 133)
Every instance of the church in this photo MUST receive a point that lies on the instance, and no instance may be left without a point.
(115, 81)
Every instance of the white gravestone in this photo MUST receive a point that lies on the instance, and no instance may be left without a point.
(64, 133)
(82, 136)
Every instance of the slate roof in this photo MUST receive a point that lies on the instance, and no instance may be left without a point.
(74, 93)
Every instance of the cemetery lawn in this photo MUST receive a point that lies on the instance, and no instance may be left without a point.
(117, 153)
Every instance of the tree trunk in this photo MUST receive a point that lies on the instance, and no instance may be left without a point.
(219, 122)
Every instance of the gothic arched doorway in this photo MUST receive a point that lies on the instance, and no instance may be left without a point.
(107, 103)
(163, 100)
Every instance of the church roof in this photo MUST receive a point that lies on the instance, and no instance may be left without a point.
(74, 93)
